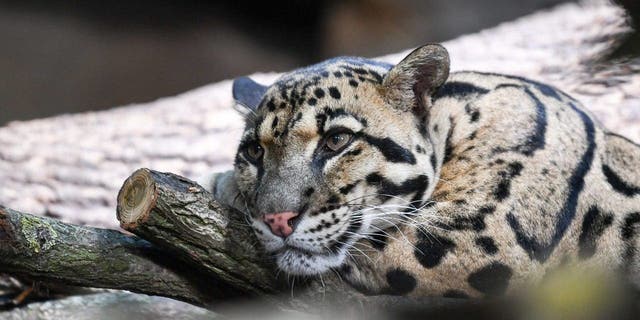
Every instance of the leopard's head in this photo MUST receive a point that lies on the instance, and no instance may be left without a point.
(337, 152)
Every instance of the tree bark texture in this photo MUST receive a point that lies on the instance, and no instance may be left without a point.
(71, 166)
(178, 215)
(49, 250)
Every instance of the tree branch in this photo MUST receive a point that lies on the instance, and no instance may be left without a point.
(49, 250)
(180, 216)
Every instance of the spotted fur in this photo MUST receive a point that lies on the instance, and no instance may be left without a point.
(458, 185)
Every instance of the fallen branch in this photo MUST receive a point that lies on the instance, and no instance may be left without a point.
(52, 251)
(180, 216)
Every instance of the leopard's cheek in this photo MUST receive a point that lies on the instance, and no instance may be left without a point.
(246, 178)
(349, 170)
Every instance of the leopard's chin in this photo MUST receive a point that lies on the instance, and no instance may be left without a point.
(299, 262)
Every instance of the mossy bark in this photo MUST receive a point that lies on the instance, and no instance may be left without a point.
(50, 250)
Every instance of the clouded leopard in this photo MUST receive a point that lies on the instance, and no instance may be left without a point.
(408, 179)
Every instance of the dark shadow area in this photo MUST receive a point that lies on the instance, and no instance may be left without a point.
(71, 56)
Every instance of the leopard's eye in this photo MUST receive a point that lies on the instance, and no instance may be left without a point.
(338, 141)
(254, 151)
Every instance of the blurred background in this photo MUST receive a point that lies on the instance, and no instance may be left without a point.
(68, 56)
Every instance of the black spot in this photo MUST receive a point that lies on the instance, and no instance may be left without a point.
(324, 74)
(419, 149)
(473, 135)
(475, 115)
(628, 227)
(457, 89)
(309, 192)
(392, 151)
(359, 71)
(271, 105)
(376, 75)
(334, 93)
(274, 123)
(473, 222)
(337, 74)
(503, 188)
(433, 160)
(492, 279)
(319, 93)
(456, 294)
(400, 282)
(430, 251)
(448, 149)
(422, 125)
(312, 101)
(618, 184)
(593, 225)
(628, 231)
(346, 189)
(567, 213)
(374, 179)
(378, 240)
(321, 119)
(487, 244)
(353, 83)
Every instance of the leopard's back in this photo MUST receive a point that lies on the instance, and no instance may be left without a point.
(529, 180)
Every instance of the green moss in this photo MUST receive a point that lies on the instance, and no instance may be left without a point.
(38, 233)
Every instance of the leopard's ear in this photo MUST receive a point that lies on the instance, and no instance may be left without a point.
(248, 93)
(411, 82)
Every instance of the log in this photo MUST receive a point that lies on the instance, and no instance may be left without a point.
(182, 217)
(46, 249)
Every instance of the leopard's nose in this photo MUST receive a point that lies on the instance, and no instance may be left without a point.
(280, 223)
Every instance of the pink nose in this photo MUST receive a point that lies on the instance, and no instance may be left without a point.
(280, 223)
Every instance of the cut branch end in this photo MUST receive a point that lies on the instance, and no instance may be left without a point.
(136, 199)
